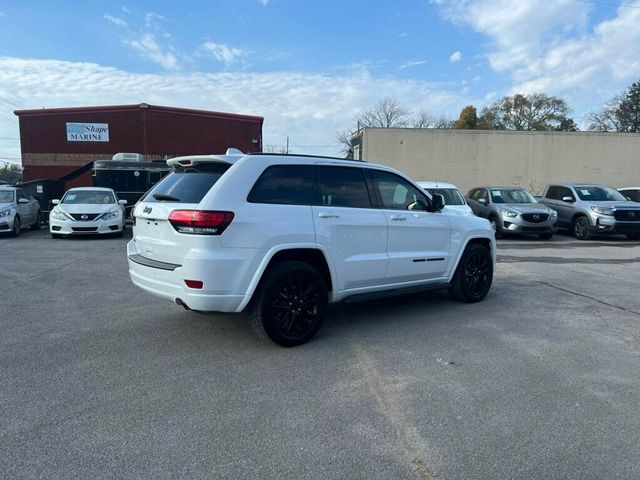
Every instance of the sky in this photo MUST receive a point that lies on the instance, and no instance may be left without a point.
(308, 66)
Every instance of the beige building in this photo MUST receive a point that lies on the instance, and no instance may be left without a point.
(471, 158)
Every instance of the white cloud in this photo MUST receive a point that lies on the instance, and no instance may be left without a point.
(554, 47)
(264, 2)
(412, 63)
(223, 53)
(115, 20)
(455, 57)
(2, 14)
(149, 47)
(308, 107)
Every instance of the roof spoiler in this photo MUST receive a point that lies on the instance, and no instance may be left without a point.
(232, 155)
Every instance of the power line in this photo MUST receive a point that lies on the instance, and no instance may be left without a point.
(11, 103)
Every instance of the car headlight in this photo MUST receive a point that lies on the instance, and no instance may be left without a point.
(5, 213)
(602, 210)
(508, 213)
(553, 214)
(58, 215)
(110, 214)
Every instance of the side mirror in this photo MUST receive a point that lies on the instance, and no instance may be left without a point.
(437, 202)
(568, 199)
(122, 202)
(22, 201)
(482, 201)
(55, 202)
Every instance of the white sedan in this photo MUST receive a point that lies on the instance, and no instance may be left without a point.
(453, 200)
(87, 210)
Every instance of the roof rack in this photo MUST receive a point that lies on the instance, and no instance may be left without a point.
(304, 155)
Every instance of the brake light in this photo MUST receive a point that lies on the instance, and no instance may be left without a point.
(200, 222)
(195, 284)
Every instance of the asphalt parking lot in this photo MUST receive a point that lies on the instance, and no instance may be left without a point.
(99, 380)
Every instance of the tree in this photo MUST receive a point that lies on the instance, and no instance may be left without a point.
(620, 114)
(537, 111)
(10, 172)
(387, 113)
(344, 139)
(423, 119)
(468, 118)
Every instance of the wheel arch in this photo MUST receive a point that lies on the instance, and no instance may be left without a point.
(486, 242)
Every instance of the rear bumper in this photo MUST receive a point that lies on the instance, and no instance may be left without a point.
(224, 289)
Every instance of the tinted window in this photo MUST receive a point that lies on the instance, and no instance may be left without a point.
(394, 192)
(20, 194)
(284, 184)
(552, 193)
(565, 192)
(187, 184)
(451, 195)
(341, 187)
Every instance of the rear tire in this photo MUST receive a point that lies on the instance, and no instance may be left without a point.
(473, 277)
(289, 306)
(36, 226)
(580, 228)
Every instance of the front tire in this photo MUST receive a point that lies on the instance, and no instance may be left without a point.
(495, 227)
(473, 277)
(16, 227)
(581, 228)
(289, 305)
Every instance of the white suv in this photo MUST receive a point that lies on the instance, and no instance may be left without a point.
(283, 235)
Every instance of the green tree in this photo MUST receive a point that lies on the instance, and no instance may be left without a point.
(468, 118)
(537, 111)
(9, 171)
(620, 114)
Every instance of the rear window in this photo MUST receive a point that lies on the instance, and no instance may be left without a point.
(187, 184)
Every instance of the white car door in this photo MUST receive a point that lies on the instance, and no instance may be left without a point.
(348, 227)
(418, 240)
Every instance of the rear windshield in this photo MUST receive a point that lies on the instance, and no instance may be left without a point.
(451, 195)
(187, 184)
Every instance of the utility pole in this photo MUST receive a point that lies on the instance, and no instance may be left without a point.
(287, 151)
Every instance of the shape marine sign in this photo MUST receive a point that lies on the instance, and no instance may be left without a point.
(87, 132)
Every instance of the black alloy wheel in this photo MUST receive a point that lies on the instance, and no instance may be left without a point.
(581, 228)
(290, 305)
(473, 277)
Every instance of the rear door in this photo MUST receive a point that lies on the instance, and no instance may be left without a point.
(418, 240)
(348, 226)
(154, 236)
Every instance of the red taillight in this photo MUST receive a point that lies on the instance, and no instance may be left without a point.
(200, 222)
(197, 284)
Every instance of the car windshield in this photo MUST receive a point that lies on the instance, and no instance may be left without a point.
(451, 195)
(6, 196)
(599, 194)
(511, 195)
(89, 196)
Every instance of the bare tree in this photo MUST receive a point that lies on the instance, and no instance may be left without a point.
(423, 119)
(344, 139)
(444, 122)
(387, 113)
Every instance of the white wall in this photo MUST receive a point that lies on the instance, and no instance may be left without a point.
(471, 158)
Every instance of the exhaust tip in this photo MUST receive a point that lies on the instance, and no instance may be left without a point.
(182, 304)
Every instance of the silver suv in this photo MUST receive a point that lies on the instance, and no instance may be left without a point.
(586, 209)
(513, 210)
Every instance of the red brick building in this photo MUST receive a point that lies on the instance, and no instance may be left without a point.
(57, 141)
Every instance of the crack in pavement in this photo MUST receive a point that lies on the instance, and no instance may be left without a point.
(410, 441)
(618, 307)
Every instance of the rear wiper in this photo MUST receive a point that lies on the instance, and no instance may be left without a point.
(166, 198)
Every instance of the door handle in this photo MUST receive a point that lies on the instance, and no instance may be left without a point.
(397, 218)
(328, 215)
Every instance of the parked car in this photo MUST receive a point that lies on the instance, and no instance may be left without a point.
(87, 210)
(631, 193)
(513, 210)
(454, 200)
(18, 210)
(586, 209)
(283, 235)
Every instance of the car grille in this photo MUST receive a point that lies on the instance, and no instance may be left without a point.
(530, 217)
(84, 229)
(627, 215)
(89, 216)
